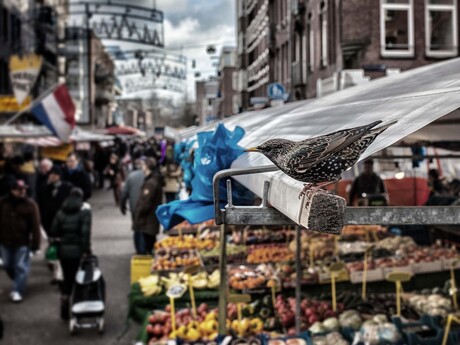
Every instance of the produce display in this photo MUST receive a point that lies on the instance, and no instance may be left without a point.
(185, 242)
(235, 254)
(244, 277)
(260, 258)
(269, 253)
(167, 259)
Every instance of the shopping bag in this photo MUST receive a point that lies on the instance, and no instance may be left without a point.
(51, 253)
(57, 271)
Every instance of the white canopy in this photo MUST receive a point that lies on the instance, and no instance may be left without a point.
(415, 98)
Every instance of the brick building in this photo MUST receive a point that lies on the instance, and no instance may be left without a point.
(317, 47)
(228, 100)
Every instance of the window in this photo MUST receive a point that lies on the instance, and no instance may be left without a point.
(323, 32)
(311, 42)
(441, 27)
(396, 28)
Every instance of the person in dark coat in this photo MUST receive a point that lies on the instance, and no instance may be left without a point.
(150, 198)
(19, 234)
(116, 175)
(130, 194)
(72, 231)
(52, 196)
(368, 183)
(76, 175)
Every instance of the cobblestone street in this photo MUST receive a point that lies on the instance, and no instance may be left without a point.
(36, 321)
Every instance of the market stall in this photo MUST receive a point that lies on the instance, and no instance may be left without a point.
(279, 283)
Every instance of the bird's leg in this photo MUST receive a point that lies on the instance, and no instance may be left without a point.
(325, 184)
(306, 187)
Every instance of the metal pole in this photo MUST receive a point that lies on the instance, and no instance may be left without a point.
(89, 61)
(298, 280)
(223, 281)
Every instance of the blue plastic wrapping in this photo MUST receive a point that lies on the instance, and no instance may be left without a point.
(216, 151)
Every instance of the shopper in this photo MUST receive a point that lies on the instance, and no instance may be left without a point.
(100, 162)
(150, 198)
(115, 174)
(173, 179)
(436, 185)
(368, 182)
(130, 192)
(52, 196)
(72, 231)
(76, 175)
(41, 180)
(19, 234)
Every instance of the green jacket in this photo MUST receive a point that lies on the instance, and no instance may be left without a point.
(72, 226)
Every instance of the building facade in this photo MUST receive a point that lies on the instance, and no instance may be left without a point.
(228, 101)
(90, 78)
(31, 27)
(316, 47)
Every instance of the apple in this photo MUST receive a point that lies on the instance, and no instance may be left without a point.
(158, 330)
(312, 319)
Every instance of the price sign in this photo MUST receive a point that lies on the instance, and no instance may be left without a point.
(239, 299)
(335, 269)
(398, 278)
(191, 270)
(176, 291)
(367, 252)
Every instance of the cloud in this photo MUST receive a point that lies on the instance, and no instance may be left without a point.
(188, 30)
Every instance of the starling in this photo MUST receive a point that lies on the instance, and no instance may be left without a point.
(321, 160)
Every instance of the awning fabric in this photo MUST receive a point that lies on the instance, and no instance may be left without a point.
(415, 98)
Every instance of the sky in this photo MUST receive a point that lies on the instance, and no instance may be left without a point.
(189, 27)
(192, 25)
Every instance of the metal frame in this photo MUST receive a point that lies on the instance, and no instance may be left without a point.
(265, 215)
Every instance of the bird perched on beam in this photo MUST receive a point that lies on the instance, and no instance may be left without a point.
(320, 161)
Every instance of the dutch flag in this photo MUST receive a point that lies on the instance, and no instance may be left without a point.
(57, 112)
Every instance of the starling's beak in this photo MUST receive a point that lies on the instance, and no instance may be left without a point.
(252, 149)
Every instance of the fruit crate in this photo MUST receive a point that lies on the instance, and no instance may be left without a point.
(388, 270)
(426, 331)
(428, 267)
(140, 267)
(371, 276)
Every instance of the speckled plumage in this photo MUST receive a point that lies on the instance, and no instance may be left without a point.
(324, 158)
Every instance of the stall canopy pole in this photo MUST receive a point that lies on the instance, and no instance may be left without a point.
(298, 270)
(223, 281)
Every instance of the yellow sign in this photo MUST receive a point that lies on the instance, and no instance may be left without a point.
(58, 153)
(9, 104)
(24, 71)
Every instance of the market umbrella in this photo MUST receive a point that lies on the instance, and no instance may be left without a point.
(124, 130)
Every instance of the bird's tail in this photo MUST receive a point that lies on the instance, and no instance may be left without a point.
(380, 129)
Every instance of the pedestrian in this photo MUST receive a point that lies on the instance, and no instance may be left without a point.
(41, 180)
(19, 234)
(172, 174)
(71, 230)
(115, 174)
(100, 162)
(368, 183)
(130, 192)
(436, 184)
(11, 173)
(52, 196)
(150, 198)
(76, 175)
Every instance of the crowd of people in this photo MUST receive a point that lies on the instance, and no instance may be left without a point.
(51, 200)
